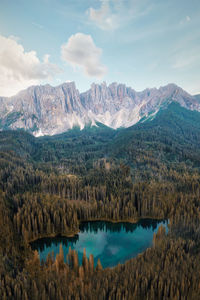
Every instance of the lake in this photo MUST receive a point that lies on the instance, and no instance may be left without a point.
(113, 243)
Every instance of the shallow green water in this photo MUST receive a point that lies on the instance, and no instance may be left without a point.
(112, 243)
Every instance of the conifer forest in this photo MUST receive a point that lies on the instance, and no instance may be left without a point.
(49, 185)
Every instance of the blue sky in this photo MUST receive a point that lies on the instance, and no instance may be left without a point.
(142, 43)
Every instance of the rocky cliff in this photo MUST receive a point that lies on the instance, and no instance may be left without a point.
(47, 110)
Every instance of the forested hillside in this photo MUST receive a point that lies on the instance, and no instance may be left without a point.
(48, 185)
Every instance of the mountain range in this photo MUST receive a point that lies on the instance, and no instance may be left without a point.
(47, 110)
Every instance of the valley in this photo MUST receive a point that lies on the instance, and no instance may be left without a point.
(50, 184)
(99, 150)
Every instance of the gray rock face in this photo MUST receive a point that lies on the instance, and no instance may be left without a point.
(100, 98)
(47, 110)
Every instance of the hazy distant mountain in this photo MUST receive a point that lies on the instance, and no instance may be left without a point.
(197, 97)
(47, 110)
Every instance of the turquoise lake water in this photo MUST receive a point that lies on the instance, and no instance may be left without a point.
(113, 243)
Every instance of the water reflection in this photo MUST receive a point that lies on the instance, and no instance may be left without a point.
(94, 226)
(44, 243)
(113, 243)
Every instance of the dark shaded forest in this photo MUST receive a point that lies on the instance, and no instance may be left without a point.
(49, 185)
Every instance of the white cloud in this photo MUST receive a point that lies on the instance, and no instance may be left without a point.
(20, 69)
(113, 14)
(186, 59)
(103, 17)
(185, 53)
(81, 51)
(188, 19)
(37, 25)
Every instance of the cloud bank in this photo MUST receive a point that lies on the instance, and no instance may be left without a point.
(20, 69)
(81, 51)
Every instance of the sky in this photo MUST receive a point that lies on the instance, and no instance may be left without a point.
(142, 43)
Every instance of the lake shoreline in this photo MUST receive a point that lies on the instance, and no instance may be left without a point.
(74, 233)
(70, 234)
(111, 242)
(131, 221)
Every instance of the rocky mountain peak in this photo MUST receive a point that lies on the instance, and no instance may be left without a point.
(50, 110)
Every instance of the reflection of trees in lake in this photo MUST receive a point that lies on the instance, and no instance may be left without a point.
(150, 223)
(55, 241)
(94, 227)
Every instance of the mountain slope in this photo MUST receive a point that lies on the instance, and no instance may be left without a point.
(171, 137)
(46, 110)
